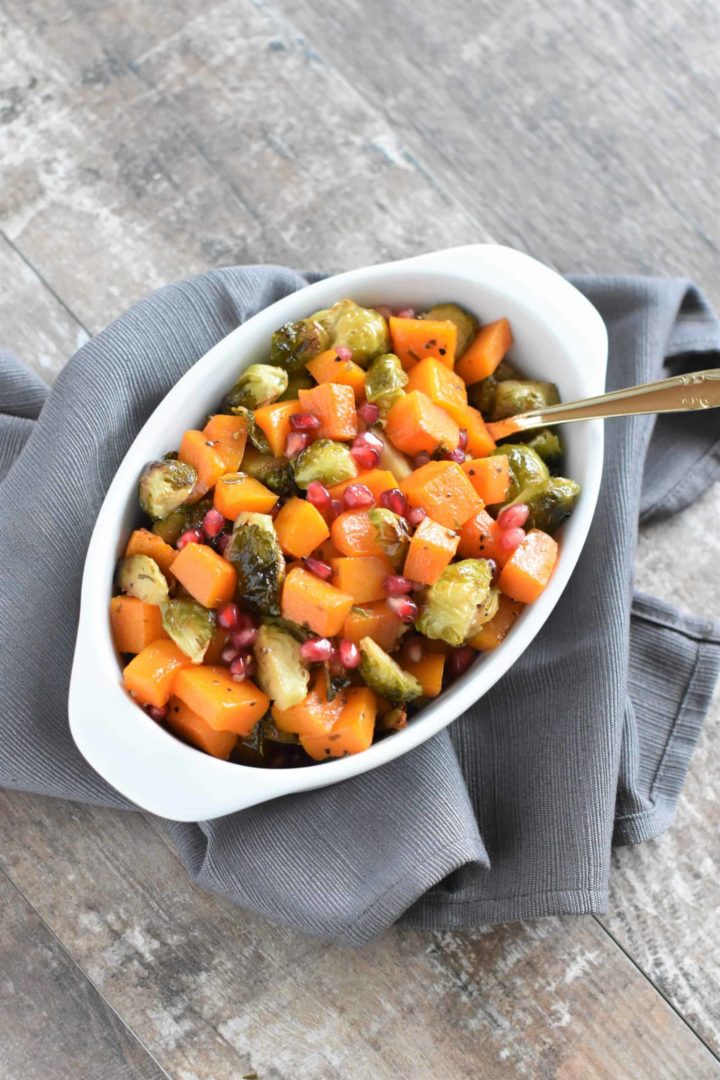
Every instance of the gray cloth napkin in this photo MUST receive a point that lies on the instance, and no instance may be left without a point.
(508, 814)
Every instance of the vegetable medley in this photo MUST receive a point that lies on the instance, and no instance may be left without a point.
(341, 539)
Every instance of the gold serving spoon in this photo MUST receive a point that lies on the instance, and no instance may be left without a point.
(682, 393)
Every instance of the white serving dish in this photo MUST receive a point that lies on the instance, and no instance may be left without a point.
(558, 335)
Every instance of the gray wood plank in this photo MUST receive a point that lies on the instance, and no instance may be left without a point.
(54, 1023)
(214, 992)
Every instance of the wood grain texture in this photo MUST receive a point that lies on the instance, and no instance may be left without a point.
(215, 992)
(139, 145)
(54, 1023)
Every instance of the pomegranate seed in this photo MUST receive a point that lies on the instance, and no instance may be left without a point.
(463, 440)
(276, 508)
(405, 313)
(295, 442)
(343, 353)
(461, 659)
(510, 539)
(348, 653)
(222, 542)
(369, 413)
(414, 650)
(513, 517)
(357, 497)
(190, 536)
(305, 421)
(405, 608)
(244, 639)
(317, 650)
(213, 523)
(318, 567)
(456, 455)
(318, 495)
(240, 668)
(228, 616)
(421, 459)
(365, 458)
(396, 585)
(415, 515)
(229, 654)
(381, 309)
(157, 712)
(494, 570)
(394, 500)
(335, 509)
(369, 438)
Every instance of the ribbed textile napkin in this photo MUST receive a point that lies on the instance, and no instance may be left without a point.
(511, 812)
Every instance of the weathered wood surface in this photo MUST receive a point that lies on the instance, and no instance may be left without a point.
(139, 144)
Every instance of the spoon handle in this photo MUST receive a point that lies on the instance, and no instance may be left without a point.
(682, 393)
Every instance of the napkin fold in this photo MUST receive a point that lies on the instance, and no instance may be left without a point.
(511, 812)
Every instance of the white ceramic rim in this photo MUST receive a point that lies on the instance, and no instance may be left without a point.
(165, 776)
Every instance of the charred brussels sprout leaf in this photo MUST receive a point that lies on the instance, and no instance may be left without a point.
(300, 633)
(164, 486)
(393, 534)
(295, 343)
(259, 384)
(385, 382)
(190, 625)
(140, 576)
(275, 473)
(254, 551)
(466, 323)
(552, 504)
(363, 330)
(335, 682)
(325, 460)
(383, 675)
(513, 396)
(452, 602)
(528, 471)
(548, 446)
(281, 672)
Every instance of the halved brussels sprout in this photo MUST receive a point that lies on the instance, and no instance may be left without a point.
(281, 671)
(270, 732)
(190, 625)
(256, 435)
(335, 682)
(482, 394)
(363, 330)
(513, 396)
(172, 527)
(547, 444)
(528, 471)
(395, 462)
(452, 602)
(551, 504)
(466, 323)
(393, 533)
(385, 382)
(383, 675)
(325, 460)
(275, 473)
(485, 611)
(295, 343)
(254, 551)
(164, 486)
(259, 384)
(140, 576)
(299, 380)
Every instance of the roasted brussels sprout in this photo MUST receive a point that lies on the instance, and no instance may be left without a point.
(485, 611)
(528, 471)
(383, 675)
(395, 462)
(394, 720)
(466, 323)
(256, 435)
(385, 381)
(482, 395)
(259, 384)
(336, 680)
(393, 534)
(190, 625)
(452, 602)
(552, 504)
(363, 330)
(295, 343)
(513, 396)
(140, 576)
(325, 460)
(164, 486)
(548, 446)
(174, 525)
(254, 551)
(299, 380)
(280, 669)
(270, 732)
(275, 473)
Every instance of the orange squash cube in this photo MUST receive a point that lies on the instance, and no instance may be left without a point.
(480, 539)
(144, 542)
(229, 433)
(300, 528)
(209, 578)
(415, 424)
(490, 476)
(414, 340)
(150, 676)
(353, 730)
(428, 671)
(431, 549)
(236, 493)
(493, 632)
(362, 577)
(328, 367)
(191, 727)
(485, 351)
(375, 620)
(335, 407)
(444, 492)
(314, 603)
(528, 570)
(208, 459)
(438, 382)
(225, 705)
(274, 422)
(135, 625)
